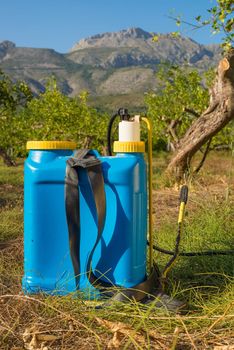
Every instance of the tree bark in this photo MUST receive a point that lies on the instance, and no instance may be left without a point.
(6, 158)
(219, 113)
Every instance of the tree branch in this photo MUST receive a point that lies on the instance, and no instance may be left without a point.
(204, 156)
(191, 111)
(172, 131)
(6, 158)
(219, 113)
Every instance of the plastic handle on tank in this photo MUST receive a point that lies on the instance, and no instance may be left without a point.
(184, 194)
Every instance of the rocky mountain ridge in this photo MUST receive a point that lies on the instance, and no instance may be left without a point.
(122, 62)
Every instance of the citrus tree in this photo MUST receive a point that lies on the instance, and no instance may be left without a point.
(13, 98)
(182, 96)
(220, 111)
(218, 17)
(54, 116)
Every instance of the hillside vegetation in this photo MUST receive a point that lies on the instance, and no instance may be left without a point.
(124, 62)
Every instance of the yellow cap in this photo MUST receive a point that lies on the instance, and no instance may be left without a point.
(129, 147)
(40, 145)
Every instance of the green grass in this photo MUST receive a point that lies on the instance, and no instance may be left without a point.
(205, 283)
(210, 227)
(11, 175)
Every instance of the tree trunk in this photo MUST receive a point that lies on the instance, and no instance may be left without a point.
(219, 113)
(6, 158)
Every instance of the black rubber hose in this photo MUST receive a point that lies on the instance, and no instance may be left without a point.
(112, 119)
(205, 253)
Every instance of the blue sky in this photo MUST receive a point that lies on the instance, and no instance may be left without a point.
(58, 24)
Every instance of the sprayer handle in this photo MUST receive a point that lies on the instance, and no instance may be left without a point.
(184, 194)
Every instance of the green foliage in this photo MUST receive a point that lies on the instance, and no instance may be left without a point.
(173, 35)
(181, 90)
(220, 19)
(183, 96)
(13, 97)
(54, 116)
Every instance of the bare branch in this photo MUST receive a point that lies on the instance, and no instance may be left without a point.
(172, 131)
(219, 113)
(195, 26)
(191, 111)
(204, 156)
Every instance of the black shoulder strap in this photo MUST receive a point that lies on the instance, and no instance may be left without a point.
(82, 158)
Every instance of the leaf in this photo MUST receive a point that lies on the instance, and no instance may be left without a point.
(155, 38)
(115, 342)
(120, 330)
(175, 34)
(34, 340)
(47, 337)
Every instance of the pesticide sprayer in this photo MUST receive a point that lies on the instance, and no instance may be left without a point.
(85, 218)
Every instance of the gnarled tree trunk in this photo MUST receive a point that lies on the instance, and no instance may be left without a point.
(219, 113)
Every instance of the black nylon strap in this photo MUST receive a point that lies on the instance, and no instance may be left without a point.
(97, 184)
(83, 159)
(73, 211)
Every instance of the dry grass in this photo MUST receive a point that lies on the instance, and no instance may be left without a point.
(46, 322)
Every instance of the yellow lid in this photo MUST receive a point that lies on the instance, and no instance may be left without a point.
(40, 145)
(129, 147)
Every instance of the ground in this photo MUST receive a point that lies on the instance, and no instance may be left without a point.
(204, 283)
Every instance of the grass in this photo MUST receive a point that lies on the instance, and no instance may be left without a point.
(205, 283)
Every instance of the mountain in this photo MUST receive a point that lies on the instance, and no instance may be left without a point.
(118, 64)
(134, 47)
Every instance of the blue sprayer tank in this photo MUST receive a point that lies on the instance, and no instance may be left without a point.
(120, 257)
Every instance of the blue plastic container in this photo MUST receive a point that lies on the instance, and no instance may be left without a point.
(120, 257)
